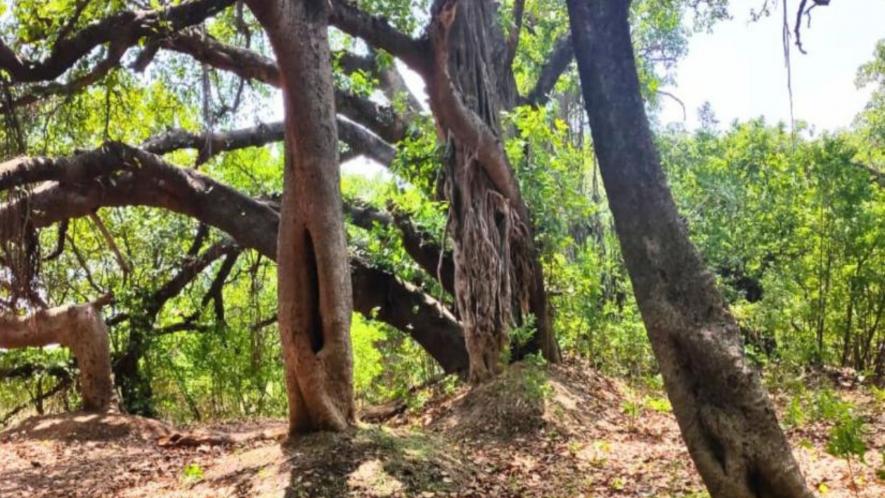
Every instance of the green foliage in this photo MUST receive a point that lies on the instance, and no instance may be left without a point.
(632, 409)
(535, 380)
(660, 405)
(365, 338)
(192, 473)
(795, 416)
(794, 229)
(820, 405)
(596, 316)
(403, 14)
(846, 434)
(520, 336)
(878, 395)
(846, 438)
(794, 216)
(829, 406)
(870, 123)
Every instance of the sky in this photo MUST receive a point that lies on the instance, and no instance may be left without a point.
(739, 66)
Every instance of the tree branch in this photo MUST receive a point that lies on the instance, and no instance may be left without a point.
(378, 32)
(513, 39)
(383, 121)
(30, 369)
(124, 28)
(557, 62)
(109, 240)
(39, 93)
(216, 290)
(418, 244)
(184, 326)
(876, 174)
(119, 175)
(191, 268)
(242, 62)
(359, 139)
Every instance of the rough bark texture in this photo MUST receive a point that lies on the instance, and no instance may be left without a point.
(498, 278)
(78, 327)
(115, 175)
(724, 413)
(314, 288)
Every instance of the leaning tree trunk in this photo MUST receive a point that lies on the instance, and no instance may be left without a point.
(724, 413)
(498, 277)
(78, 327)
(314, 288)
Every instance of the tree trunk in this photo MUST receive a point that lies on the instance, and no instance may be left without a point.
(78, 327)
(724, 413)
(251, 224)
(499, 282)
(314, 287)
(135, 386)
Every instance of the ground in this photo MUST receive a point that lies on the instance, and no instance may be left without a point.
(560, 431)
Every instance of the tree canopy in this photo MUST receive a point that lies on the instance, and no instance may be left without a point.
(144, 147)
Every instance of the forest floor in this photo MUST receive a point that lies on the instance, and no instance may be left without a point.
(562, 431)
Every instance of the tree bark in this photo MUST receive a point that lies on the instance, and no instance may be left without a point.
(116, 175)
(723, 411)
(499, 283)
(78, 327)
(314, 287)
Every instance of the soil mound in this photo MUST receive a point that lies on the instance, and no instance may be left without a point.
(79, 426)
(368, 461)
(527, 398)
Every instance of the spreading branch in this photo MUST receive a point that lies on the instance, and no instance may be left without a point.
(418, 244)
(123, 29)
(383, 121)
(39, 93)
(78, 327)
(242, 62)
(117, 175)
(360, 141)
(378, 32)
(557, 62)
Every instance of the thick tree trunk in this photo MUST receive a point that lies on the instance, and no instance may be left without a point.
(498, 277)
(724, 413)
(78, 327)
(314, 287)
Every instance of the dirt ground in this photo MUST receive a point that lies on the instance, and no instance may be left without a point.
(564, 432)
